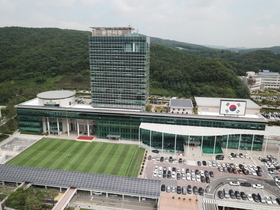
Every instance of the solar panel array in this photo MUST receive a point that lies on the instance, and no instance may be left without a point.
(81, 180)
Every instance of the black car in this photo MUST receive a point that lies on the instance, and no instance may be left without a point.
(229, 169)
(243, 196)
(245, 171)
(164, 175)
(206, 173)
(241, 166)
(258, 173)
(207, 179)
(169, 175)
(170, 159)
(178, 176)
(179, 190)
(198, 163)
(211, 174)
(197, 172)
(187, 170)
(202, 179)
(237, 195)
(219, 157)
(163, 187)
(231, 194)
(259, 168)
(155, 151)
(204, 163)
(161, 159)
(200, 191)
(278, 201)
(180, 160)
(245, 184)
(189, 189)
(256, 198)
(174, 169)
(221, 194)
(195, 190)
(234, 171)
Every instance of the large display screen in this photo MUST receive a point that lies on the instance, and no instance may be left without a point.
(233, 107)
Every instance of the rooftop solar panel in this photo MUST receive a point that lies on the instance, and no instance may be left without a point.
(82, 180)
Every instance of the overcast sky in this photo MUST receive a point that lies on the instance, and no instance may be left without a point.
(230, 23)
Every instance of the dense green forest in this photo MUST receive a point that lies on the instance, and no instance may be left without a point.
(240, 62)
(33, 60)
(38, 59)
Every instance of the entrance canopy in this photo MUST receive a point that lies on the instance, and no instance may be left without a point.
(207, 131)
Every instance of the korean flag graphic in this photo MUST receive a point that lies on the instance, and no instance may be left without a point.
(233, 107)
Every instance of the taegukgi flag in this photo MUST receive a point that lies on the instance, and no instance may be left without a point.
(232, 107)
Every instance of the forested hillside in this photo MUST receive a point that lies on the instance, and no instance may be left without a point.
(239, 62)
(191, 75)
(38, 59)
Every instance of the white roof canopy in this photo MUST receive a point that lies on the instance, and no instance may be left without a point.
(207, 131)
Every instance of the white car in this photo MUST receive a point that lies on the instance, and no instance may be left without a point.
(234, 183)
(257, 186)
(254, 173)
(188, 177)
(247, 156)
(250, 198)
(155, 174)
(230, 157)
(183, 170)
(184, 176)
(268, 200)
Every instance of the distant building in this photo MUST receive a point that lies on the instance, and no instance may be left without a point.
(181, 106)
(262, 80)
(119, 68)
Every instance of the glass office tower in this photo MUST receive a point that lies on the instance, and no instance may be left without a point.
(119, 68)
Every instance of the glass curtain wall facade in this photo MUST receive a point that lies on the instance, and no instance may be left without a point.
(127, 127)
(119, 68)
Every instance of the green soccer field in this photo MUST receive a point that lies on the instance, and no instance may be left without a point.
(92, 157)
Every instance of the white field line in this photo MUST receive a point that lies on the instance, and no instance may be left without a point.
(77, 156)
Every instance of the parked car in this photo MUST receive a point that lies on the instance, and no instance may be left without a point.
(234, 183)
(180, 160)
(204, 163)
(189, 189)
(256, 198)
(207, 179)
(200, 191)
(243, 196)
(250, 198)
(231, 194)
(195, 190)
(179, 190)
(163, 187)
(155, 151)
(237, 195)
(211, 173)
(184, 190)
(257, 186)
(198, 163)
(168, 189)
(221, 194)
(246, 184)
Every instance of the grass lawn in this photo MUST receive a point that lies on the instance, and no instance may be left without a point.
(92, 157)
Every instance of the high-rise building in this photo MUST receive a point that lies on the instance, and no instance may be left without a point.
(119, 68)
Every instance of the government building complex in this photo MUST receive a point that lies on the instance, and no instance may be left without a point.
(119, 75)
